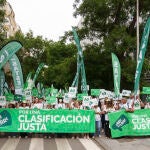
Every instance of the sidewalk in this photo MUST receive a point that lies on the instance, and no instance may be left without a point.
(124, 143)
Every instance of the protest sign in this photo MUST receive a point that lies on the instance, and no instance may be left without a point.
(2, 101)
(41, 121)
(126, 92)
(81, 95)
(72, 92)
(95, 92)
(86, 100)
(130, 124)
(66, 98)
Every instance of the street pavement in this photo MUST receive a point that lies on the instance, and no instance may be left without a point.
(102, 143)
(124, 143)
(48, 144)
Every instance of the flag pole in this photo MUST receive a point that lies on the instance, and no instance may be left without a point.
(137, 27)
(137, 31)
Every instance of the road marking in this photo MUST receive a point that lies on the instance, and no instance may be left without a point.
(89, 144)
(62, 144)
(36, 144)
(10, 144)
(23, 144)
(50, 144)
(76, 144)
(2, 141)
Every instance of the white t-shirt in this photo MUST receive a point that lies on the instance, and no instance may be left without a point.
(97, 116)
(60, 106)
(124, 106)
(37, 105)
(108, 110)
(147, 105)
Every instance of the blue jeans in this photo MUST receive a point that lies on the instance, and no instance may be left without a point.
(98, 127)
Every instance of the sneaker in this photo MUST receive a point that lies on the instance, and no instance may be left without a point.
(99, 136)
(93, 137)
(49, 137)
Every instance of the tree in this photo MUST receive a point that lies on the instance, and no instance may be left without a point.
(113, 22)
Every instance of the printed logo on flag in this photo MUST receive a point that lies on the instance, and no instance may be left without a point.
(122, 121)
(5, 119)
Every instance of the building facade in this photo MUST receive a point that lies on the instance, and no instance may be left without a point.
(10, 26)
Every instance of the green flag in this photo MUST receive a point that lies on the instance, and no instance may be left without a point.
(29, 76)
(38, 71)
(2, 82)
(35, 92)
(9, 97)
(17, 74)
(80, 64)
(116, 74)
(141, 56)
(8, 51)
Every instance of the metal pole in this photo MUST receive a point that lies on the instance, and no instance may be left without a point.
(137, 28)
(137, 32)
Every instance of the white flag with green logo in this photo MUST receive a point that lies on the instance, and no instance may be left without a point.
(116, 74)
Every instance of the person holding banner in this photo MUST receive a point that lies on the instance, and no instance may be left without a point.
(24, 105)
(97, 119)
(60, 104)
(37, 104)
(108, 108)
(126, 105)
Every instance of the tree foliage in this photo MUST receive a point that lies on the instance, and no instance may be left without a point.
(113, 23)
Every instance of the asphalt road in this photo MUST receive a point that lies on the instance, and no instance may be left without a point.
(103, 143)
(48, 144)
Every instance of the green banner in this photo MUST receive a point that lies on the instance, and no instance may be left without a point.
(8, 51)
(38, 71)
(116, 74)
(141, 56)
(130, 124)
(55, 121)
(17, 74)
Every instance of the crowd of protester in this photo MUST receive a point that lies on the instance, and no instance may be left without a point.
(101, 109)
